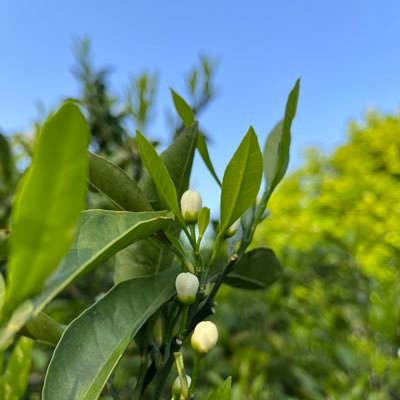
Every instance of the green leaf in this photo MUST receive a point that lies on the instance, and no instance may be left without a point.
(4, 245)
(258, 269)
(188, 118)
(93, 344)
(7, 167)
(163, 182)
(44, 328)
(277, 146)
(203, 150)
(2, 292)
(203, 220)
(48, 203)
(15, 379)
(241, 181)
(101, 234)
(183, 109)
(223, 392)
(178, 158)
(111, 180)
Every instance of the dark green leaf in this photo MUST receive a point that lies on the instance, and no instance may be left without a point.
(258, 269)
(93, 344)
(100, 235)
(223, 392)
(277, 146)
(241, 181)
(48, 203)
(7, 168)
(111, 180)
(4, 240)
(44, 328)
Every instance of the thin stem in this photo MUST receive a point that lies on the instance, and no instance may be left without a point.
(180, 366)
(185, 313)
(195, 373)
(142, 373)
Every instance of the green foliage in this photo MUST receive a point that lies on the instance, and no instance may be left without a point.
(224, 392)
(14, 380)
(48, 203)
(92, 345)
(241, 181)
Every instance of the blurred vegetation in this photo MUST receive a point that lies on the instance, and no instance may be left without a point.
(330, 328)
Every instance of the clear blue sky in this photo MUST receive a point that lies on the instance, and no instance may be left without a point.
(346, 52)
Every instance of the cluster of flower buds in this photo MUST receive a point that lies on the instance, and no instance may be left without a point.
(191, 204)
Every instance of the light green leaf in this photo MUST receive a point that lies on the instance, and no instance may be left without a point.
(16, 375)
(241, 181)
(258, 269)
(203, 150)
(183, 109)
(93, 344)
(111, 180)
(101, 234)
(162, 180)
(178, 158)
(223, 392)
(188, 118)
(48, 203)
(203, 220)
(277, 146)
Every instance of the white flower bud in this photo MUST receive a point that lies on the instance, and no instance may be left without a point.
(191, 204)
(205, 337)
(176, 387)
(232, 229)
(187, 286)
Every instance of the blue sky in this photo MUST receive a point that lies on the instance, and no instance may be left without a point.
(347, 54)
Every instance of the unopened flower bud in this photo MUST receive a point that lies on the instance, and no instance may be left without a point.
(232, 229)
(176, 387)
(187, 286)
(204, 338)
(191, 204)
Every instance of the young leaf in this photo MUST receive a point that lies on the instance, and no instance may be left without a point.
(183, 109)
(188, 118)
(111, 180)
(178, 158)
(162, 180)
(48, 203)
(276, 149)
(16, 376)
(223, 392)
(204, 220)
(101, 234)
(258, 269)
(44, 328)
(241, 181)
(93, 344)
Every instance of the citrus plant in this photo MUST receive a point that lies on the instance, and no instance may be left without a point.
(166, 276)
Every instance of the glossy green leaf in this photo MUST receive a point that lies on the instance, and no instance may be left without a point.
(93, 344)
(162, 180)
(258, 269)
(224, 392)
(14, 382)
(183, 109)
(188, 118)
(178, 158)
(48, 204)
(101, 234)
(111, 180)
(203, 220)
(277, 146)
(241, 181)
